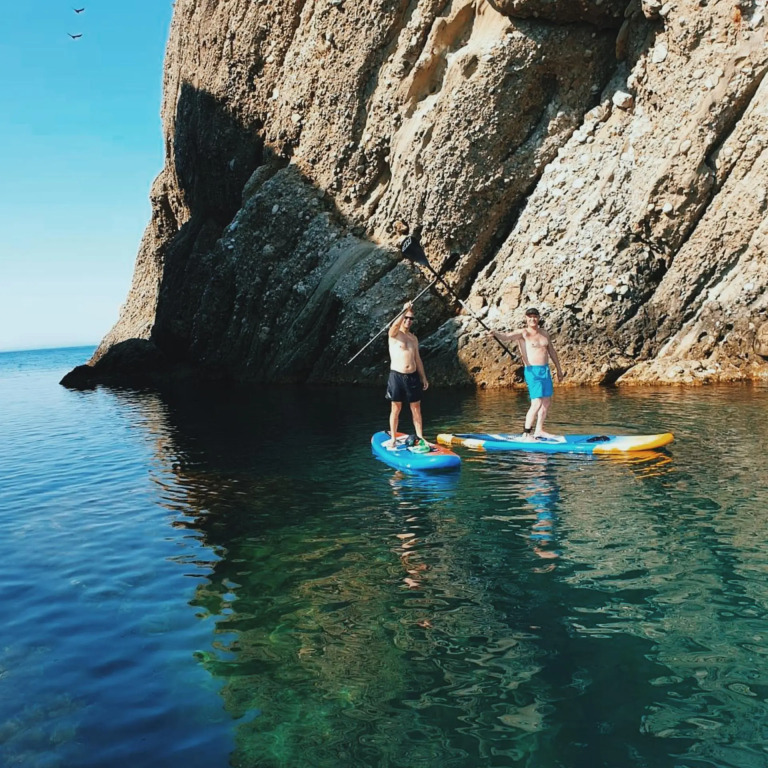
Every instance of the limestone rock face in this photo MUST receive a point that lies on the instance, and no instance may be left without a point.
(606, 161)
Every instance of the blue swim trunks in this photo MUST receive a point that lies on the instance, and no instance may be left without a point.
(539, 381)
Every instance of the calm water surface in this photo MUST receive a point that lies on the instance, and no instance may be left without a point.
(205, 579)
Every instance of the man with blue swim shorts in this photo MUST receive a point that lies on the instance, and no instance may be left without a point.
(536, 349)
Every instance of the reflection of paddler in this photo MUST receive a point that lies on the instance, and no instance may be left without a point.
(543, 494)
(411, 522)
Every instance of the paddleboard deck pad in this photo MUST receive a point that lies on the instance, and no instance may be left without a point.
(481, 441)
(410, 458)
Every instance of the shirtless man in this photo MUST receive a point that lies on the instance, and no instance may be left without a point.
(536, 349)
(407, 379)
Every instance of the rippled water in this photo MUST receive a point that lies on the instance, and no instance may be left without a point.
(201, 578)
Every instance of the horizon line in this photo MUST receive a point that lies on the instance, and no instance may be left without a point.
(47, 349)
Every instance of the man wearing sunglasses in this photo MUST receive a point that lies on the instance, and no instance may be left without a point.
(536, 349)
(407, 379)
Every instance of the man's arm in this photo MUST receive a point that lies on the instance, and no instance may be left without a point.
(511, 336)
(555, 359)
(397, 324)
(420, 367)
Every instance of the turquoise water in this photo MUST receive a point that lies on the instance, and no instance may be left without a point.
(201, 578)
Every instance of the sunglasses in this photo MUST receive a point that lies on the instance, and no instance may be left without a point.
(409, 317)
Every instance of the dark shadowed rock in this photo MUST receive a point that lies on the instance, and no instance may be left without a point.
(608, 13)
(134, 362)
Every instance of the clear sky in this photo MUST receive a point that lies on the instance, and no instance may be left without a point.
(80, 143)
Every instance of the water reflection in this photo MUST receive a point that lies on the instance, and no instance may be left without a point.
(423, 487)
(564, 610)
(643, 463)
(543, 495)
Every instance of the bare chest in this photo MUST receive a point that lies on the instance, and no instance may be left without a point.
(536, 341)
(403, 342)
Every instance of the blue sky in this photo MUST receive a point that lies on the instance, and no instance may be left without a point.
(80, 143)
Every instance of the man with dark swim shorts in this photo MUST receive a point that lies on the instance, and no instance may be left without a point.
(407, 379)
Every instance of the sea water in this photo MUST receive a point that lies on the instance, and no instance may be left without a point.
(204, 577)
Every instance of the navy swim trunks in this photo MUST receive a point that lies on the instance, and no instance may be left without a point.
(539, 381)
(404, 387)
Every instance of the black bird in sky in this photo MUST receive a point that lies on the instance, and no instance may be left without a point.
(78, 10)
(74, 37)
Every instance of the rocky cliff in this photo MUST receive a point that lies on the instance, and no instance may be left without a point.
(604, 160)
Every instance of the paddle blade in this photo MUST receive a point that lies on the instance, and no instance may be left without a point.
(411, 249)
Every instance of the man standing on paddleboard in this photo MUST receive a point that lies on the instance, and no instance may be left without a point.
(536, 349)
(407, 379)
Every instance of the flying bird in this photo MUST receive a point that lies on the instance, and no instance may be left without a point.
(78, 10)
(74, 37)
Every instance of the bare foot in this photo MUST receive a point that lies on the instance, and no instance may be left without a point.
(549, 436)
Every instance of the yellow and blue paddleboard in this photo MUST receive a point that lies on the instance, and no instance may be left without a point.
(481, 441)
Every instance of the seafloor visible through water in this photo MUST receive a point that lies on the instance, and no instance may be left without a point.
(203, 579)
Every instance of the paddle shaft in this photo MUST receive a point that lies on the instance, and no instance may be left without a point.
(463, 304)
(416, 298)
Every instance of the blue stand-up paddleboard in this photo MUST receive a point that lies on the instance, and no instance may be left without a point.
(410, 458)
(481, 441)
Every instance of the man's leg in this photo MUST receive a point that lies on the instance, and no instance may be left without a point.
(545, 403)
(541, 416)
(416, 415)
(394, 417)
(530, 417)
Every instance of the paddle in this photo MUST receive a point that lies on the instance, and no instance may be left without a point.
(416, 298)
(411, 249)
